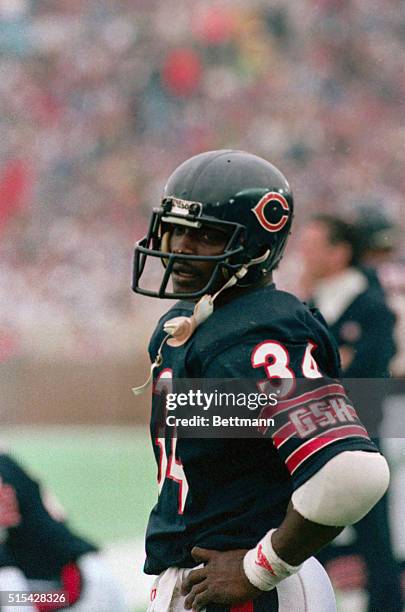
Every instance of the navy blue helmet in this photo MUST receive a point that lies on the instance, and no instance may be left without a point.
(239, 192)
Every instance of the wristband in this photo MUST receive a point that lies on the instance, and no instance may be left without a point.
(264, 568)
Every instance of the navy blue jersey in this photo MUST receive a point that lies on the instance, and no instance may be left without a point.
(227, 493)
(30, 538)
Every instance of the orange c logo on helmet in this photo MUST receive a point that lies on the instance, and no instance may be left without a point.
(270, 200)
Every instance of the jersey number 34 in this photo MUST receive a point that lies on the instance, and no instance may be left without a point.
(275, 359)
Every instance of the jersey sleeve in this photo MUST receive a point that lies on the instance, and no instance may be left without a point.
(314, 419)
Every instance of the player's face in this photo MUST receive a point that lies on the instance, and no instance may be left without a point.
(190, 276)
(317, 252)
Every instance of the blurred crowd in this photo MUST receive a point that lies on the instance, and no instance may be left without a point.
(101, 100)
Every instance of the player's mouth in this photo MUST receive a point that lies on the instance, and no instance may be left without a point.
(185, 272)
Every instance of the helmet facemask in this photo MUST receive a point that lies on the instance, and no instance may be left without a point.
(156, 244)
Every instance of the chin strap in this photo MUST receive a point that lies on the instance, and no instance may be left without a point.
(157, 363)
(180, 329)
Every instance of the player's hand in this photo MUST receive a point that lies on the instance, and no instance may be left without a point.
(221, 580)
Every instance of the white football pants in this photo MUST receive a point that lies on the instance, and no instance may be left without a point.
(309, 590)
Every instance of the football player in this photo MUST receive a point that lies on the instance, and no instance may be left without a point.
(238, 520)
(39, 554)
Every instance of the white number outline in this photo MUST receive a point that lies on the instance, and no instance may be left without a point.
(281, 361)
(279, 368)
(169, 466)
(309, 367)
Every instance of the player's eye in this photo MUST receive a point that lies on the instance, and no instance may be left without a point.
(205, 235)
(178, 230)
(211, 235)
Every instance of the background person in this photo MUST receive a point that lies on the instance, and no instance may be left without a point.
(39, 553)
(362, 324)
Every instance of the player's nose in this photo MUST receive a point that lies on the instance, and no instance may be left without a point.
(184, 243)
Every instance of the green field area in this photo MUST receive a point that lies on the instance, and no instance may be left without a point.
(104, 477)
